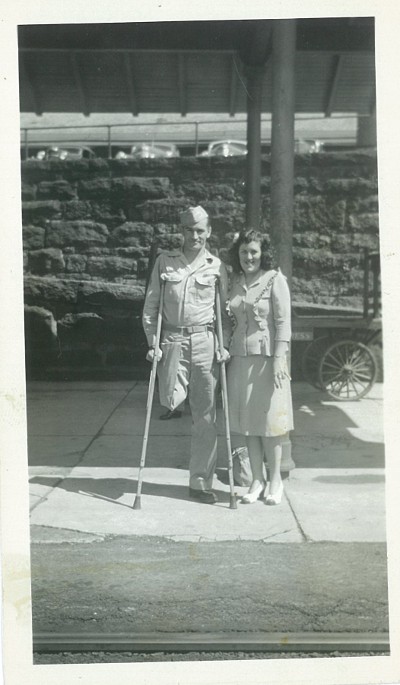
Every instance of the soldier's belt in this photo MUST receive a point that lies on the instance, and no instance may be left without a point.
(187, 330)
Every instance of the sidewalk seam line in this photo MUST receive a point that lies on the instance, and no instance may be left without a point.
(83, 452)
(99, 432)
(305, 537)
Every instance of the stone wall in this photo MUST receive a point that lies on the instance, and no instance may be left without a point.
(90, 228)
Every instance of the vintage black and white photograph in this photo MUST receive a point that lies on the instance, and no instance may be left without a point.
(203, 342)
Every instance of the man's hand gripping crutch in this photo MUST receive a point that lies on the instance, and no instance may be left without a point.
(154, 358)
(224, 389)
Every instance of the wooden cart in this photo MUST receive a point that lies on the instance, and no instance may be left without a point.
(339, 358)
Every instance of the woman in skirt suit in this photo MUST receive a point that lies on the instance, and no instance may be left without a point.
(259, 394)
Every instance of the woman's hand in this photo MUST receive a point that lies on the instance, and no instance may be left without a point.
(151, 353)
(280, 371)
(222, 355)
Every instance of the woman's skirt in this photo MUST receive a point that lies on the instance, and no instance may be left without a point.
(256, 407)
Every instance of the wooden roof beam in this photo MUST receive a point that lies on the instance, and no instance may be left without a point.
(80, 86)
(130, 83)
(334, 83)
(182, 85)
(257, 44)
(29, 79)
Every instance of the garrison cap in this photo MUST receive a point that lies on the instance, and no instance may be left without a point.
(193, 215)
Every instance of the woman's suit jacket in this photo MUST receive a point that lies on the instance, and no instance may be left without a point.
(260, 314)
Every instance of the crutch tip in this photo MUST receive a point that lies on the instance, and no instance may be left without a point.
(137, 503)
(233, 502)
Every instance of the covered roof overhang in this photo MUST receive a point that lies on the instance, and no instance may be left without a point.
(185, 67)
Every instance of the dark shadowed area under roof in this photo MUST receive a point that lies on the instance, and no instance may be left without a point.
(184, 67)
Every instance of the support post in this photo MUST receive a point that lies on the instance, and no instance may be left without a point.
(366, 131)
(255, 74)
(282, 141)
(282, 159)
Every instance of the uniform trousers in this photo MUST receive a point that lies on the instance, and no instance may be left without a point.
(188, 366)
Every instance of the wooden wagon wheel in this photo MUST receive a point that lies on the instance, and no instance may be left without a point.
(311, 358)
(347, 370)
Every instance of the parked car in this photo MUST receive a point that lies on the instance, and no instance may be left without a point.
(149, 151)
(308, 146)
(66, 152)
(225, 148)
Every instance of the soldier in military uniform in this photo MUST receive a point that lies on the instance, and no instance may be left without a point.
(189, 353)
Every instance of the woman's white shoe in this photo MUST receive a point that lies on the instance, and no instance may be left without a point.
(252, 497)
(276, 498)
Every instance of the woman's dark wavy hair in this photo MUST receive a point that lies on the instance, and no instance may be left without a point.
(245, 237)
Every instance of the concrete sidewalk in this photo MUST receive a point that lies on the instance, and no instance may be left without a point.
(84, 447)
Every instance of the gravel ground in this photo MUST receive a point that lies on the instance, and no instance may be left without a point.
(153, 585)
(119, 657)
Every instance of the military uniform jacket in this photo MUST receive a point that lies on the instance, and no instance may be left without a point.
(260, 314)
(189, 294)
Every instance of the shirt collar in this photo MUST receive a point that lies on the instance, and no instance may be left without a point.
(263, 275)
(206, 259)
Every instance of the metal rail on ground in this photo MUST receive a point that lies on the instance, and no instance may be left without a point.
(211, 642)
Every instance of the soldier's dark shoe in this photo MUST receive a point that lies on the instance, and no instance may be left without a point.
(171, 414)
(204, 496)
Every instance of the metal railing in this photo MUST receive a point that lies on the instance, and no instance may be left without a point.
(184, 133)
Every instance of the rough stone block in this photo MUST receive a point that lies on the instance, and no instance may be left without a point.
(47, 290)
(95, 189)
(110, 294)
(69, 170)
(47, 261)
(140, 188)
(311, 239)
(76, 233)
(110, 267)
(56, 190)
(224, 226)
(368, 204)
(132, 233)
(142, 267)
(98, 250)
(365, 240)
(342, 242)
(33, 237)
(301, 185)
(368, 222)
(194, 191)
(121, 168)
(28, 192)
(351, 186)
(135, 252)
(223, 254)
(76, 263)
(227, 209)
(161, 229)
(317, 213)
(170, 241)
(75, 210)
(162, 211)
(108, 216)
(317, 261)
(39, 211)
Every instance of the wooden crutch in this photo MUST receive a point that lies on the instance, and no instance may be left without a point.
(150, 395)
(232, 503)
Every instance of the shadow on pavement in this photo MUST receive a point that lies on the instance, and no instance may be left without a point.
(112, 489)
(351, 479)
